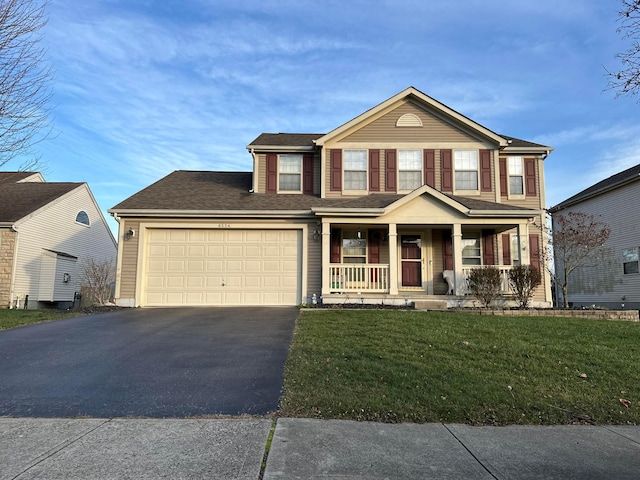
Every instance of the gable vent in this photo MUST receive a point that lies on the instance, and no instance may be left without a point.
(409, 120)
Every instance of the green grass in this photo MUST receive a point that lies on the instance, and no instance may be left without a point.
(402, 366)
(18, 318)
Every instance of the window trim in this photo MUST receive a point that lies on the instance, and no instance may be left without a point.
(88, 223)
(636, 261)
(456, 170)
(365, 171)
(510, 194)
(299, 173)
(399, 170)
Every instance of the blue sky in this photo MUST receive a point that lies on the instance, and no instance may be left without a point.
(146, 87)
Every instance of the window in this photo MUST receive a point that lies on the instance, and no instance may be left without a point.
(355, 169)
(82, 218)
(354, 247)
(471, 252)
(409, 169)
(290, 173)
(465, 164)
(515, 250)
(516, 176)
(630, 261)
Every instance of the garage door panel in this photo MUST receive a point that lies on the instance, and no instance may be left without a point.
(222, 267)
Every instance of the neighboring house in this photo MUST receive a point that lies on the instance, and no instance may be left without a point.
(614, 282)
(47, 232)
(379, 210)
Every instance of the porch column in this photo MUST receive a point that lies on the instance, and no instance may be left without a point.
(523, 239)
(326, 257)
(393, 259)
(456, 243)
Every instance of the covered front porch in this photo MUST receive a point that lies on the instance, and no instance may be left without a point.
(401, 263)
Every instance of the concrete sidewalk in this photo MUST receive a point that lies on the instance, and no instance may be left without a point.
(303, 449)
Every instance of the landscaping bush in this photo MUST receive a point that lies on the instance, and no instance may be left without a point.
(523, 280)
(485, 284)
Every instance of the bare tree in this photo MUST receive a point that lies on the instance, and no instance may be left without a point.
(99, 276)
(627, 80)
(576, 240)
(24, 80)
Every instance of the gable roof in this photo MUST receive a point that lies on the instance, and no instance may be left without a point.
(205, 193)
(13, 177)
(17, 200)
(619, 179)
(266, 140)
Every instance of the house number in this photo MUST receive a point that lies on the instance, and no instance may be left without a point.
(224, 225)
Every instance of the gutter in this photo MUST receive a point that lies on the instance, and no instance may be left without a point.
(212, 213)
(276, 149)
(504, 213)
(349, 212)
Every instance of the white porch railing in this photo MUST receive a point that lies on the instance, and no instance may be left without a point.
(504, 275)
(356, 277)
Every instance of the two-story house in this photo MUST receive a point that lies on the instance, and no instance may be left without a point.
(395, 206)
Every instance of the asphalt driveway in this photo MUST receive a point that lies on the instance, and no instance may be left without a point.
(168, 362)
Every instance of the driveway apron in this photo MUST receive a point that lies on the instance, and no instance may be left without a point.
(165, 362)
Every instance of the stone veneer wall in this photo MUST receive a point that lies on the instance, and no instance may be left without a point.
(7, 246)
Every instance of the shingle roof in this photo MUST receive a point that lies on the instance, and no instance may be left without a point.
(286, 139)
(613, 181)
(17, 200)
(195, 191)
(12, 177)
(516, 142)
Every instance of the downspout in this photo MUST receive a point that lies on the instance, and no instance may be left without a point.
(116, 293)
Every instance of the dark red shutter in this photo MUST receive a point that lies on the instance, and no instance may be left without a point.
(485, 170)
(447, 251)
(336, 170)
(446, 167)
(534, 249)
(374, 246)
(336, 239)
(488, 252)
(374, 171)
(530, 176)
(503, 177)
(430, 168)
(272, 173)
(506, 249)
(390, 171)
(307, 174)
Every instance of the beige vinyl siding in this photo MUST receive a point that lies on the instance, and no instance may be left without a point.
(262, 173)
(440, 286)
(7, 246)
(534, 203)
(433, 130)
(129, 261)
(314, 263)
(54, 228)
(607, 283)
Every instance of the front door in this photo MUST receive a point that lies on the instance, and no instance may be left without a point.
(411, 260)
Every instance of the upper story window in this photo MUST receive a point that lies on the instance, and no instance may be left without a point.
(630, 261)
(355, 169)
(290, 173)
(516, 175)
(471, 251)
(465, 163)
(82, 218)
(409, 169)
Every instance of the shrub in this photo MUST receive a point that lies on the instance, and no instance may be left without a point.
(523, 280)
(485, 284)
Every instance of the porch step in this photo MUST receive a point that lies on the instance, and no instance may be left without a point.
(430, 305)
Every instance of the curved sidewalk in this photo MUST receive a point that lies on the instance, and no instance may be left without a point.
(303, 449)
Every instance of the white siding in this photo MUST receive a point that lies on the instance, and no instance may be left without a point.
(606, 283)
(54, 227)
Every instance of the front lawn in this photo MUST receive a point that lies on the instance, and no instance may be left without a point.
(403, 366)
(18, 318)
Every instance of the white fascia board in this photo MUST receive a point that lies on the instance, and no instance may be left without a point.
(544, 150)
(212, 213)
(504, 213)
(282, 148)
(348, 212)
(432, 192)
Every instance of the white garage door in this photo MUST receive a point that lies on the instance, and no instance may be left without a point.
(222, 267)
